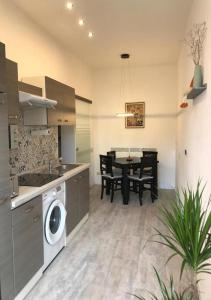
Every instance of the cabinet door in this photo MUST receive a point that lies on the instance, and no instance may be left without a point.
(28, 241)
(53, 90)
(83, 182)
(12, 91)
(72, 204)
(6, 250)
(2, 68)
(68, 105)
(29, 88)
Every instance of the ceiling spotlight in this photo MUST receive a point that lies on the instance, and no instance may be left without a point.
(69, 5)
(90, 34)
(81, 22)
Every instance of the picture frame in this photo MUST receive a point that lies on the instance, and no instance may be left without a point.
(138, 120)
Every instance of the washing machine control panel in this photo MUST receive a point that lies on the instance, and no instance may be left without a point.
(54, 193)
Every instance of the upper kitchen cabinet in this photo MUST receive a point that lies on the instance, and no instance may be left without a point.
(28, 88)
(2, 68)
(64, 112)
(12, 91)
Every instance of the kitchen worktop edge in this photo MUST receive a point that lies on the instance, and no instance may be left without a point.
(28, 193)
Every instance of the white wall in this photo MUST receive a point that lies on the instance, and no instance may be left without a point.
(38, 54)
(193, 128)
(194, 122)
(156, 86)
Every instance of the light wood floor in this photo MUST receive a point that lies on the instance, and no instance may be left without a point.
(111, 256)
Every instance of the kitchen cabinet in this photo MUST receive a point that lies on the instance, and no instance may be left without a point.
(27, 241)
(77, 199)
(6, 250)
(2, 68)
(29, 88)
(12, 91)
(64, 112)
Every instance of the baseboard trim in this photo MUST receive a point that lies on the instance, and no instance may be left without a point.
(77, 228)
(29, 286)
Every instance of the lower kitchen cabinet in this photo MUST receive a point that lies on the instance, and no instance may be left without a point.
(6, 255)
(77, 199)
(28, 241)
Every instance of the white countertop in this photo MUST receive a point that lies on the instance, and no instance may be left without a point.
(26, 193)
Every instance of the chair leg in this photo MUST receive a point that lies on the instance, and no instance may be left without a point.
(135, 186)
(112, 191)
(153, 192)
(102, 188)
(140, 193)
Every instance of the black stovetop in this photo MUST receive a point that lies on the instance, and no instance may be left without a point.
(36, 179)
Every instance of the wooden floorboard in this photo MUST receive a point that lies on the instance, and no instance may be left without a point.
(112, 255)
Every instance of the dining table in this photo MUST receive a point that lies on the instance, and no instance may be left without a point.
(126, 164)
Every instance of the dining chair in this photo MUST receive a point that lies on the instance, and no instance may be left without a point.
(150, 154)
(153, 154)
(112, 154)
(142, 181)
(111, 180)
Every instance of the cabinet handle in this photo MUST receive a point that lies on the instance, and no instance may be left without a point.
(29, 209)
(36, 219)
(66, 121)
(59, 120)
(13, 117)
(3, 201)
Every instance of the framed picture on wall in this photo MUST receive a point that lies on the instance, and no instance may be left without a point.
(138, 118)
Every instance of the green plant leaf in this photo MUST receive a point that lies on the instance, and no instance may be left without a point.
(188, 229)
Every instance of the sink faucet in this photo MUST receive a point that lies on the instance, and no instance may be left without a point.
(50, 166)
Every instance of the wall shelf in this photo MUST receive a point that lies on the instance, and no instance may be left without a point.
(195, 92)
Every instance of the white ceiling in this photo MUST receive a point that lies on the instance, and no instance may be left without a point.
(150, 30)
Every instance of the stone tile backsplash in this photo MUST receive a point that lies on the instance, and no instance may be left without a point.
(34, 152)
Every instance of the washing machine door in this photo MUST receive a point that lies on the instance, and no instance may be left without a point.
(55, 222)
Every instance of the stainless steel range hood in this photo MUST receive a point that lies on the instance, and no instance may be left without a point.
(30, 101)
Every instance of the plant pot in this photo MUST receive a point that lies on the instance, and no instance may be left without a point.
(198, 77)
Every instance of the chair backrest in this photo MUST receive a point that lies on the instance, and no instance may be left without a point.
(112, 154)
(147, 162)
(153, 154)
(106, 164)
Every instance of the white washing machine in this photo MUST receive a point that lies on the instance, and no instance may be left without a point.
(54, 216)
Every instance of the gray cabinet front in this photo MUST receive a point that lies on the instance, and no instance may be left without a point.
(83, 193)
(77, 199)
(64, 113)
(12, 91)
(28, 241)
(6, 251)
(2, 68)
(71, 204)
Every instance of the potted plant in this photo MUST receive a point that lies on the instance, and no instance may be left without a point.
(167, 292)
(188, 235)
(195, 40)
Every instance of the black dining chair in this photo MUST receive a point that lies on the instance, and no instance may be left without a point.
(142, 181)
(153, 155)
(112, 154)
(111, 180)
